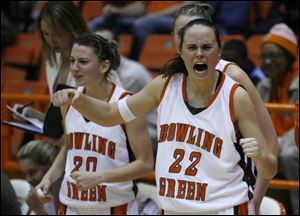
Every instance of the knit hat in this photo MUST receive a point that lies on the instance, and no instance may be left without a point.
(284, 37)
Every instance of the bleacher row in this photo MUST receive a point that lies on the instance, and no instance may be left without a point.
(23, 78)
(23, 60)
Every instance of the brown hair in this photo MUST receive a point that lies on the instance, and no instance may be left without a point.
(103, 48)
(63, 16)
(177, 65)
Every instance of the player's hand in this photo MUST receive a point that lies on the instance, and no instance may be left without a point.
(65, 96)
(85, 180)
(27, 111)
(34, 202)
(250, 147)
(44, 185)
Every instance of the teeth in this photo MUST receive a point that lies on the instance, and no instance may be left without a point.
(200, 67)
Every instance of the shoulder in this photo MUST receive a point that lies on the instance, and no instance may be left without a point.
(240, 76)
(155, 87)
(242, 101)
(235, 72)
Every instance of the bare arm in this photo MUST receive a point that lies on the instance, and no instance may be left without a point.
(264, 159)
(141, 146)
(265, 123)
(30, 112)
(107, 114)
(58, 166)
(264, 119)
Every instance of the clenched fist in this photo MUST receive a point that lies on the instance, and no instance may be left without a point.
(250, 147)
(65, 96)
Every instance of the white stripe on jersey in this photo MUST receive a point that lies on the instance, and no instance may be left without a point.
(222, 64)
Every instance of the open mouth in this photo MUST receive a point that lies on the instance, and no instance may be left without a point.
(199, 67)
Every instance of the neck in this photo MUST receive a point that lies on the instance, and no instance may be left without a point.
(203, 86)
(199, 92)
(100, 91)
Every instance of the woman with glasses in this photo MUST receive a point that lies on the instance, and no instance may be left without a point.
(279, 62)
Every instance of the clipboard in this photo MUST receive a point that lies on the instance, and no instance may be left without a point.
(51, 127)
(26, 127)
(32, 125)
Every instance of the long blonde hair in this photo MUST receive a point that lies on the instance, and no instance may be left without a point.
(41, 152)
(63, 16)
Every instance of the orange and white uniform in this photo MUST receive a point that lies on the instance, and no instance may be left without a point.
(92, 147)
(200, 166)
(223, 64)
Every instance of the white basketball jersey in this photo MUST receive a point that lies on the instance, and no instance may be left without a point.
(223, 64)
(199, 165)
(92, 147)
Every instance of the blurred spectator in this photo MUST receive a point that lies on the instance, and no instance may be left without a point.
(59, 24)
(263, 15)
(118, 16)
(133, 77)
(279, 62)
(35, 158)
(9, 200)
(19, 13)
(290, 13)
(246, 17)
(8, 32)
(236, 51)
(157, 22)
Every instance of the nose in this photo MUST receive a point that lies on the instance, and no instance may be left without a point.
(199, 52)
(52, 40)
(74, 66)
(266, 60)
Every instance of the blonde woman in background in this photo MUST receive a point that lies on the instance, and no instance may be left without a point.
(59, 24)
(35, 158)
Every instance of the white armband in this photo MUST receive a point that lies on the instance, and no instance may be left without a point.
(124, 110)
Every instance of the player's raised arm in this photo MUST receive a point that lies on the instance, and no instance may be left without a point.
(108, 114)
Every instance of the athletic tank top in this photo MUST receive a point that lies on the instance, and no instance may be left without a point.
(92, 147)
(200, 165)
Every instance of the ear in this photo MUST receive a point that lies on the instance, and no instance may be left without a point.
(104, 66)
(180, 53)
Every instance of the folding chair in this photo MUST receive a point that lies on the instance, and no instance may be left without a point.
(91, 9)
(26, 52)
(157, 51)
(226, 38)
(125, 44)
(254, 48)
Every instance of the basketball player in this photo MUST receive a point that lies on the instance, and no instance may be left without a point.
(190, 12)
(100, 162)
(200, 164)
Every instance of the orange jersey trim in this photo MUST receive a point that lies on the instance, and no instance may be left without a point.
(231, 105)
(164, 89)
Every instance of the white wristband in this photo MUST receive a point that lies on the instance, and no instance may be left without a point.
(124, 110)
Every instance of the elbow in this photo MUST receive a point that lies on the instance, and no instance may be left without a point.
(151, 166)
(148, 165)
(107, 121)
(275, 167)
(272, 169)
